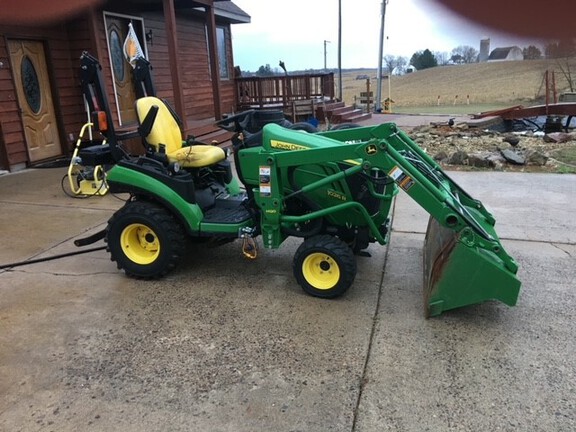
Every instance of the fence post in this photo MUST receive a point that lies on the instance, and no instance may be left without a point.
(260, 93)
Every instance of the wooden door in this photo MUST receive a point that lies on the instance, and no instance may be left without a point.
(30, 73)
(117, 29)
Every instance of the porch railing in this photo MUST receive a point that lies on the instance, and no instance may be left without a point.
(280, 91)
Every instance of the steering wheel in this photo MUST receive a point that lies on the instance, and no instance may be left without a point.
(237, 122)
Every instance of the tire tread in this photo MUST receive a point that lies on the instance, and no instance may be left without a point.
(175, 236)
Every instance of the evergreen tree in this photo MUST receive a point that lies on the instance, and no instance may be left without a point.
(532, 53)
(423, 60)
(264, 71)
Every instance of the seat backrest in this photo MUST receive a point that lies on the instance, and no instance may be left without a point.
(165, 130)
(144, 83)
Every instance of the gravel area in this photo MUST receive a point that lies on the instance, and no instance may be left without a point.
(461, 146)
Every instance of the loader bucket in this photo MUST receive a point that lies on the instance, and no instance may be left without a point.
(458, 271)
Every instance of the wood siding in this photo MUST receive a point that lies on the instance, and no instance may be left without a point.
(194, 63)
(64, 44)
(64, 87)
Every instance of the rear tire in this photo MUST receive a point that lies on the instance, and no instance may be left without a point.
(145, 240)
(324, 266)
(343, 126)
(304, 126)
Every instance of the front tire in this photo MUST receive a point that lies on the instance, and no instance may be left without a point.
(324, 266)
(145, 240)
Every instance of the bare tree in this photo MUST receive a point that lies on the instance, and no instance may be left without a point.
(564, 52)
(442, 57)
(395, 64)
(567, 66)
(464, 54)
(560, 49)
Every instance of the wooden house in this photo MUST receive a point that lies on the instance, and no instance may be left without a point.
(188, 43)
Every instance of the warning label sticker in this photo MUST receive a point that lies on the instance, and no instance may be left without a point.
(264, 180)
(401, 178)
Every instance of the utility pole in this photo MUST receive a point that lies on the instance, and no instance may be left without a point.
(325, 42)
(378, 104)
(340, 50)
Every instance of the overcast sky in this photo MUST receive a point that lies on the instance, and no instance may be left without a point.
(294, 31)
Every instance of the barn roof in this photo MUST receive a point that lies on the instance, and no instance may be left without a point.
(500, 53)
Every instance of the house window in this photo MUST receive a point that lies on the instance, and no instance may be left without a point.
(222, 52)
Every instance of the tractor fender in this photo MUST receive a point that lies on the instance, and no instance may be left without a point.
(126, 180)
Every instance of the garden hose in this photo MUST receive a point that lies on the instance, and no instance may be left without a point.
(50, 258)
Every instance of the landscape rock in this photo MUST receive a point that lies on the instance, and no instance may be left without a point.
(534, 157)
(497, 161)
(558, 137)
(484, 148)
(512, 140)
(513, 157)
(480, 160)
(458, 158)
(441, 156)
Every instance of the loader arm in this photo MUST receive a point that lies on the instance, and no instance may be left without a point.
(464, 261)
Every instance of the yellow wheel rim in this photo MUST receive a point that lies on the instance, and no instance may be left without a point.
(321, 271)
(140, 244)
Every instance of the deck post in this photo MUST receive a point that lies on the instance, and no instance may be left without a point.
(172, 39)
(214, 61)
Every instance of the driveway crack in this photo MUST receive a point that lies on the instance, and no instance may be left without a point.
(364, 378)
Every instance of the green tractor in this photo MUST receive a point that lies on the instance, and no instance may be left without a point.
(333, 189)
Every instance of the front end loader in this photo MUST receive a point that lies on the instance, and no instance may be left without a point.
(334, 190)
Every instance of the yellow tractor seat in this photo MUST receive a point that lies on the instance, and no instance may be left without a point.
(165, 131)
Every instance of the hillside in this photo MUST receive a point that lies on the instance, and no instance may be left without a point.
(512, 82)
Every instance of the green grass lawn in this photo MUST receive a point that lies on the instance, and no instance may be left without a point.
(566, 156)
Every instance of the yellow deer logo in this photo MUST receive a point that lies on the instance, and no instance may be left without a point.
(371, 149)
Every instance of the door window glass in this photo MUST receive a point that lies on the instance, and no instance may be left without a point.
(117, 55)
(31, 85)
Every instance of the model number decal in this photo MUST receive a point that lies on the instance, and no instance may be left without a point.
(332, 193)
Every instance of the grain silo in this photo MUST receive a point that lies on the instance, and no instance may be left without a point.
(484, 50)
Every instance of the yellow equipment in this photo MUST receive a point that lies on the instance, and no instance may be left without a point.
(86, 174)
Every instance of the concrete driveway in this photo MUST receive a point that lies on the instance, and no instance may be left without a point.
(225, 344)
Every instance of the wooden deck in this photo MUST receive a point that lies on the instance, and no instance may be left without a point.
(280, 91)
(207, 132)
